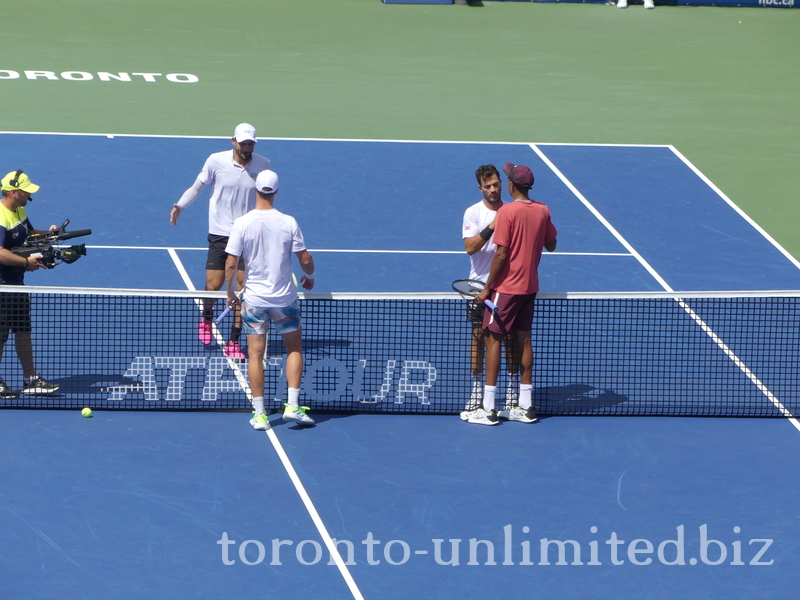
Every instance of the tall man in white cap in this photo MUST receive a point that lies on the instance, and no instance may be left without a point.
(232, 176)
(265, 239)
(15, 308)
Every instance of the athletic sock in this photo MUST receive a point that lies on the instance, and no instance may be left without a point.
(235, 333)
(208, 314)
(258, 405)
(489, 392)
(525, 395)
(294, 397)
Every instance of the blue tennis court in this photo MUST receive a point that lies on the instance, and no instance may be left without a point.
(197, 505)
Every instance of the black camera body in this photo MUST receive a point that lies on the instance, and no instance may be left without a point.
(45, 248)
(49, 255)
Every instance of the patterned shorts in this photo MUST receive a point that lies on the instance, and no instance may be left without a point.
(255, 319)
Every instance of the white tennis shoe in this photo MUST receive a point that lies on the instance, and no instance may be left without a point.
(297, 414)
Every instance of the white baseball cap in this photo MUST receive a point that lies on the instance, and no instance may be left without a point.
(244, 132)
(267, 182)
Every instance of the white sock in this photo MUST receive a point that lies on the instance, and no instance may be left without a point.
(525, 395)
(294, 397)
(258, 405)
(489, 392)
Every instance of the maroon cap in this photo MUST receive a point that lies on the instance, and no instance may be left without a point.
(519, 175)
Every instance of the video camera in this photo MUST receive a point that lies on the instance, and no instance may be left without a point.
(45, 246)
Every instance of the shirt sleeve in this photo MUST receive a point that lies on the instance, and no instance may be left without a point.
(469, 226)
(298, 242)
(234, 247)
(551, 232)
(206, 174)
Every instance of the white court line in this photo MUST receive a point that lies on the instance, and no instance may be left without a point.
(323, 531)
(733, 205)
(694, 316)
(292, 139)
(171, 250)
(187, 281)
(276, 444)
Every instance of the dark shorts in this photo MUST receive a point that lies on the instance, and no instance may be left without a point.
(514, 313)
(15, 314)
(215, 261)
(474, 312)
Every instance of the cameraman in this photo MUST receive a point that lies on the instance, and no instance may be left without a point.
(15, 308)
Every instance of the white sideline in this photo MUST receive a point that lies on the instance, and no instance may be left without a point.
(694, 316)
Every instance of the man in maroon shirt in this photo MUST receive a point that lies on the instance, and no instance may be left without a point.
(522, 230)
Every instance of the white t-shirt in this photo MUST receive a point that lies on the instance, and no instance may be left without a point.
(267, 239)
(232, 188)
(477, 218)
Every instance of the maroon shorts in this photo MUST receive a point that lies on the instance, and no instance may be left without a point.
(513, 313)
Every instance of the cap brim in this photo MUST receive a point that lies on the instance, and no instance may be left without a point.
(31, 188)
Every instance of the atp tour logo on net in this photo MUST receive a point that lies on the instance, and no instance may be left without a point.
(518, 548)
(400, 380)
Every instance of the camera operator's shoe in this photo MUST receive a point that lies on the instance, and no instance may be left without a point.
(204, 331)
(39, 385)
(233, 350)
(7, 392)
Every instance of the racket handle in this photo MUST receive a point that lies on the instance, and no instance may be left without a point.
(492, 306)
(223, 315)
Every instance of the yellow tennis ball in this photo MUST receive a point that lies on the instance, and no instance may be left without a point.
(87, 412)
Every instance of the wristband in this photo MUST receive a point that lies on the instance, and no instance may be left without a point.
(487, 232)
(311, 276)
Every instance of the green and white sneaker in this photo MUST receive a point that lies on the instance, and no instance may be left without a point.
(297, 414)
(517, 413)
(260, 422)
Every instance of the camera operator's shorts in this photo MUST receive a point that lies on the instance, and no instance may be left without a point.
(255, 319)
(15, 314)
(475, 311)
(215, 261)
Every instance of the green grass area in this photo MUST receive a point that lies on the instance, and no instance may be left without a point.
(721, 84)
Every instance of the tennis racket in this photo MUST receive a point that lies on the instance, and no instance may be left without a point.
(469, 288)
(228, 309)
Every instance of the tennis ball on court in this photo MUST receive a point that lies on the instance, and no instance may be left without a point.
(87, 412)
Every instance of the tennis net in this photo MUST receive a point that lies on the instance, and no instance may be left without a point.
(685, 353)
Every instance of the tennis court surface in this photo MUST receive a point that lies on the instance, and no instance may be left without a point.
(654, 304)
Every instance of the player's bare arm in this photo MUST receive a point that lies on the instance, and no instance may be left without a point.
(307, 266)
(479, 240)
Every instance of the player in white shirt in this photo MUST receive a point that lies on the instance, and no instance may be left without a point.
(477, 229)
(265, 240)
(232, 176)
